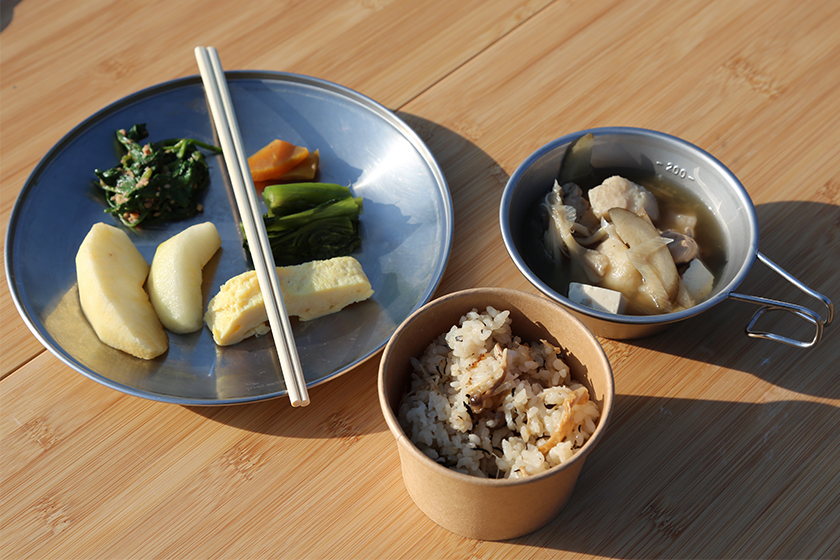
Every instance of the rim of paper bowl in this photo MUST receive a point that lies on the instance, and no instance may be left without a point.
(580, 454)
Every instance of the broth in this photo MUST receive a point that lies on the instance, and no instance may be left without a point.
(672, 198)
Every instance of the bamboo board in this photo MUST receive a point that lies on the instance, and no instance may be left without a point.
(720, 446)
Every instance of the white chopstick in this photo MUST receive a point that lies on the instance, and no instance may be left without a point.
(218, 96)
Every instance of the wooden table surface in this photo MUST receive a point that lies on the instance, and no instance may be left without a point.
(721, 446)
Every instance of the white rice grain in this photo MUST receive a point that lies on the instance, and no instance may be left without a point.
(483, 403)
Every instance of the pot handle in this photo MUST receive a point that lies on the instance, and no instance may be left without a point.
(804, 313)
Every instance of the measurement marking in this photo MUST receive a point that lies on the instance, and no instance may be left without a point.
(680, 172)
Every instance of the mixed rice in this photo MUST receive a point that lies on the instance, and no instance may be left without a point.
(484, 403)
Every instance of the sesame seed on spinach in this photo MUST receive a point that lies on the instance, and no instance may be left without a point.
(157, 181)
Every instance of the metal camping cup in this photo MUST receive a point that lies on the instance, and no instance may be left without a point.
(654, 152)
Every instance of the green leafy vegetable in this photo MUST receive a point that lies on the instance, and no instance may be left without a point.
(156, 181)
(311, 221)
(290, 198)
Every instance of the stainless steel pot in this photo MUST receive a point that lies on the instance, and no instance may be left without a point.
(694, 169)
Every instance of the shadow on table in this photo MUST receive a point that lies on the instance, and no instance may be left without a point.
(716, 338)
(672, 477)
(803, 238)
(685, 478)
(7, 11)
(476, 182)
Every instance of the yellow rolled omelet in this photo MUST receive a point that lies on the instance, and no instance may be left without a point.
(310, 290)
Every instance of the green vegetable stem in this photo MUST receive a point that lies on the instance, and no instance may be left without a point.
(311, 221)
(285, 199)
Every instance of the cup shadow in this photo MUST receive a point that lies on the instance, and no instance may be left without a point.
(725, 472)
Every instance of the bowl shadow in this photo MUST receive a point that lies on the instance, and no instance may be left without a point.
(716, 485)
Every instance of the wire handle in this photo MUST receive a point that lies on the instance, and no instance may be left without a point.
(808, 315)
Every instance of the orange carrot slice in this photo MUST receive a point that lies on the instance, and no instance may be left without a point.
(275, 159)
(304, 171)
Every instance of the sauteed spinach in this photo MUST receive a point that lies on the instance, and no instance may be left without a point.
(156, 181)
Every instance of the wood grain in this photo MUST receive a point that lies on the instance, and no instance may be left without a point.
(96, 56)
(720, 447)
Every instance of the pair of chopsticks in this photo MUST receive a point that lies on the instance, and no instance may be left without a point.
(224, 118)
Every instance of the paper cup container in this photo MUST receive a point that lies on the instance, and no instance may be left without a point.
(475, 507)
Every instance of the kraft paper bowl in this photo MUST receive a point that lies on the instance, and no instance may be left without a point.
(479, 508)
